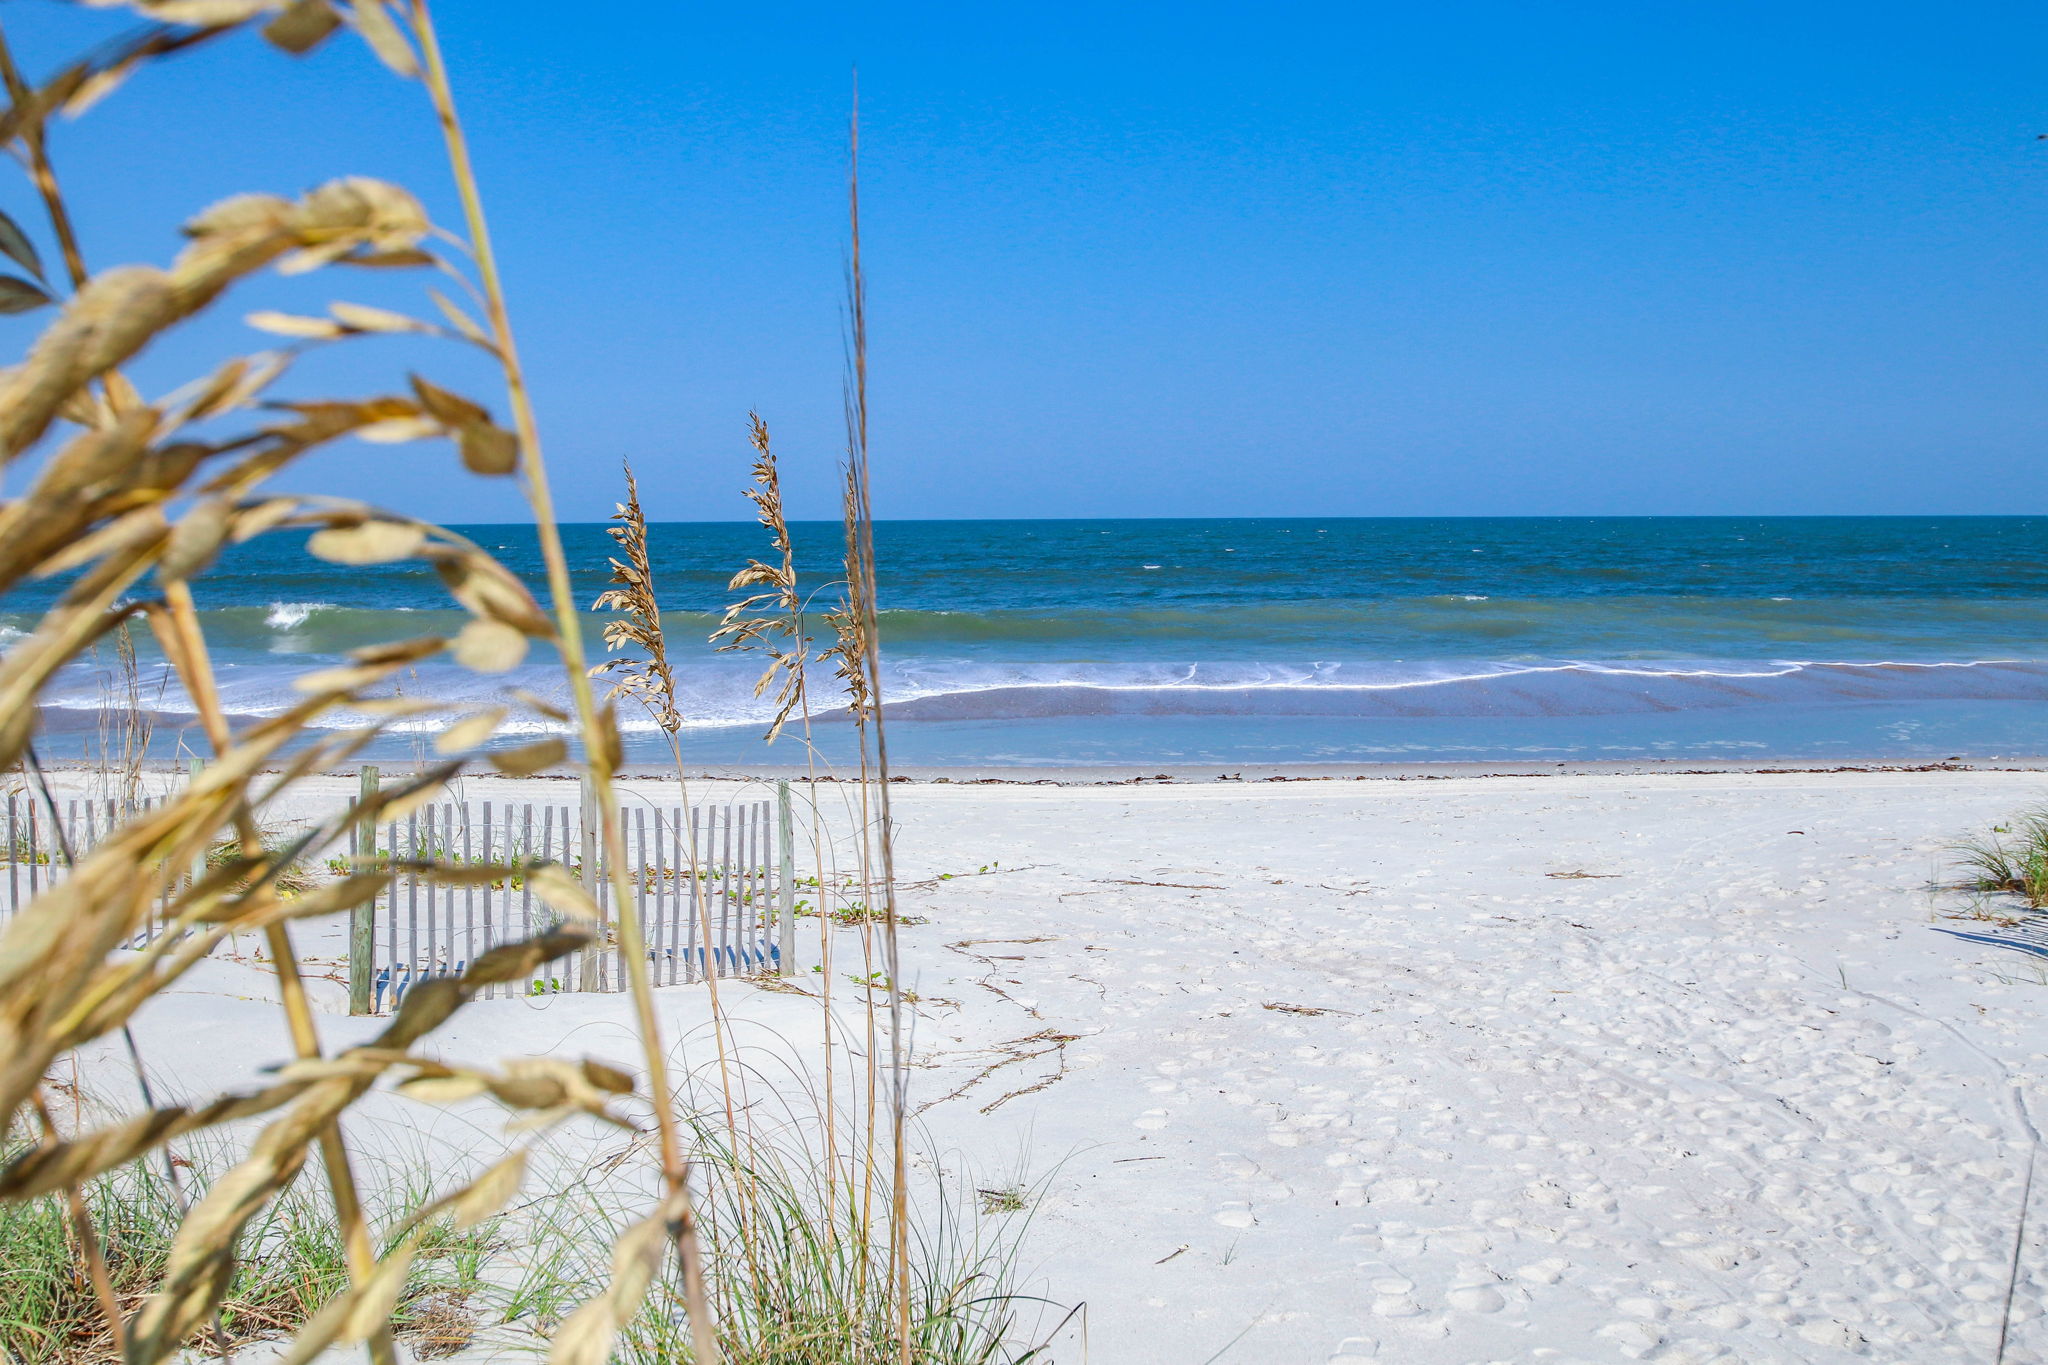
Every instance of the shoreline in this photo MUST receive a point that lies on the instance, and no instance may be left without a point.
(1209, 774)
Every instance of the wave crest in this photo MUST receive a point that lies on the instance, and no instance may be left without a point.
(285, 615)
(718, 695)
(1557, 689)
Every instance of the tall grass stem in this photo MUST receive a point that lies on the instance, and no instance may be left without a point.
(599, 737)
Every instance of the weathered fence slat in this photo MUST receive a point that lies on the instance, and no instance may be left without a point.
(708, 885)
(712, 886)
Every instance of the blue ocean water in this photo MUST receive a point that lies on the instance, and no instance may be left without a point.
(1298, 640)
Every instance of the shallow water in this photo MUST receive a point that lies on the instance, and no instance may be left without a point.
(1261, 641)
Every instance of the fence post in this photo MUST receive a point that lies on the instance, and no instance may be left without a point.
(362, 919)
(199, 860)
(593, 883)
(785, 835)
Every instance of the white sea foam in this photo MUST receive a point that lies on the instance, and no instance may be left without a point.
(720, 695)
(285, 615)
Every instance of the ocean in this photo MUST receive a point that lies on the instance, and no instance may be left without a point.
(1275, 641)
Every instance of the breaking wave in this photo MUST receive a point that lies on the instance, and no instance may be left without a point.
(721, 693)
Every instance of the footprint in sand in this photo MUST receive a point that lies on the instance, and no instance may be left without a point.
(1394, 1303)
(1461, 1242)
(1404, 1190)
(1719, 1255)
(1830, 1332)
(1401, 1239)
(1633, 1339)
(1547, 1271)
(1475, 1296)
(1236, 1215)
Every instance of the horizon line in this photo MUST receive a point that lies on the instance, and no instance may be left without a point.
(1390, 516)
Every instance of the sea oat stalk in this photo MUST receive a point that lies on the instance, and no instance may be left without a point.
(780, 635)
(859, 660)
(648, 676)
(123, 500)
(600, 735)
(361, 1253)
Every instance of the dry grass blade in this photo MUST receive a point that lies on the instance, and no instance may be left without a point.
(587, 1337)
(600, 737)
(851, 630)
(858, 658)
(647, 678)
(119, 311)
(780, 635)
(352, 1317)
(193, 1269)
(121, 499)
(85, 82)
(132, 500)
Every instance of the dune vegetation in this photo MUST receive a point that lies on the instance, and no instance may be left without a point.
(716, 1239)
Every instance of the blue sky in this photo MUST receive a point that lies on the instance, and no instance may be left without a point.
(1188, 260)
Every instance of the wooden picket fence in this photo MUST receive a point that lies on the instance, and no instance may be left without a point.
(713, 887)
(43, 837)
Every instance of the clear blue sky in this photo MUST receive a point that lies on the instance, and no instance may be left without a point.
(1194, 259)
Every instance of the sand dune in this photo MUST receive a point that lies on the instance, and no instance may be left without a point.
(1590, 1068)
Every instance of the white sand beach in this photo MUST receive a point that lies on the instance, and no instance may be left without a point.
(1679, 1068)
